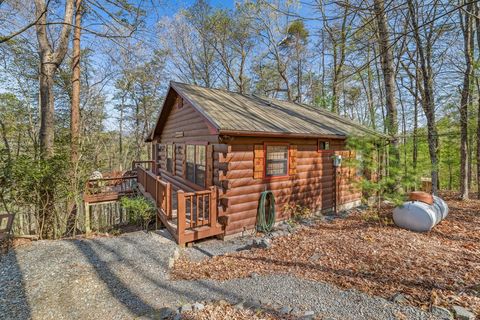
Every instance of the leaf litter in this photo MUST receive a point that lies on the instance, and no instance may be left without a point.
(365, 251)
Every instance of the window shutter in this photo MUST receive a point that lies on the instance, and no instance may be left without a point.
(292, 159)
(174, 159)
(209, 166)
(258, 164)
(184, 161)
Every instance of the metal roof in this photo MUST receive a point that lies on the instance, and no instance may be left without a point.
(231, 111)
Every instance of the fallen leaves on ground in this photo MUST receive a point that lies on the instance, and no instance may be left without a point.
(441, 267)
(228, 312)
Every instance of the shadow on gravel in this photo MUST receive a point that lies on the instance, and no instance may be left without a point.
(13, 297)
(122, 290)
(116, 286)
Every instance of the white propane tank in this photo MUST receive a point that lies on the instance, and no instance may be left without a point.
(419, 216)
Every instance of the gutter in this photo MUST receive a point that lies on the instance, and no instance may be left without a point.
(278, 134)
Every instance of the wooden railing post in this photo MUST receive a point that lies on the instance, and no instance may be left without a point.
(87, 219)
(168, 198)
(181, 217)
(145, 179)
(157, 196)
(213, 206)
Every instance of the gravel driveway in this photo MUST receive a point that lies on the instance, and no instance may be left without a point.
(127, 276)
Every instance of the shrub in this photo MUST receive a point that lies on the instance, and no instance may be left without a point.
(139, 210)
(297, 212)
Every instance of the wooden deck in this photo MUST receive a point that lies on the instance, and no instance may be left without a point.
(188, 216)
(108, 189)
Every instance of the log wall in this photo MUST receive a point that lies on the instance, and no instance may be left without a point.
(310, 185)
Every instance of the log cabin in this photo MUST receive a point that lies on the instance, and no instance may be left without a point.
(215, 151)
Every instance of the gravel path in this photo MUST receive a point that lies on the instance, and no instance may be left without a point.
(127, 276)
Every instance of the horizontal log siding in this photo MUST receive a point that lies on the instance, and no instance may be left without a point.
(194, 128)
(187, 120)
(312, 185)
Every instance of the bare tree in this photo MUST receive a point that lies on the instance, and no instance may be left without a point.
(75, 103)
(50, 60)
(424, 45)
(388, 70)
(467, 25)
(477, 25)
(337, 35)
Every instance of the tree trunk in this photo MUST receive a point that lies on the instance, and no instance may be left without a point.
(465, 98)
(388, 70)
(428, 102)
(50, 60)
(415, 129)
(75, 106)
(371, 105)
(47, 110)
(477, 24)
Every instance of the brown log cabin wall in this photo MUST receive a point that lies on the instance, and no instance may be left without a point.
(310, 185)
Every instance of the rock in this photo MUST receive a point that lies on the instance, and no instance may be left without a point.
(277, 234)
(239, 306)
(252, 304)
(177, 317)
(223, 302)
(308, 315)
(463, 314)
(308, 223)
(171, 263)
(185, 308)
(165, 313)
(296, 312)
(315, 257)
(442, 313)
(254, 275)
(265, 243)
(285, 310)
(399, 298)
(197, 306)
(176, 254)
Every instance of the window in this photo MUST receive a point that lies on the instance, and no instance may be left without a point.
(276, 160)
(323, 145)
(170, 158)
(195, 159)
(190, 161)
(200, 165)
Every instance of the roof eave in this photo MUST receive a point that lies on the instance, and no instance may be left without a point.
(249, 133)
(229, 132)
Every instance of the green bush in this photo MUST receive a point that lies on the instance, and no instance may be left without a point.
(140, 210)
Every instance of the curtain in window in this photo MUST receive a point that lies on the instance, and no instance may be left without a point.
(276, 160)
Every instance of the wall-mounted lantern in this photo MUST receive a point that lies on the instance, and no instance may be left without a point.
(337, 160)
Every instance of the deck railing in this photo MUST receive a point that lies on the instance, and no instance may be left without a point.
(146, 164)
(119, 185)
(160, 191)
(196, 209)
